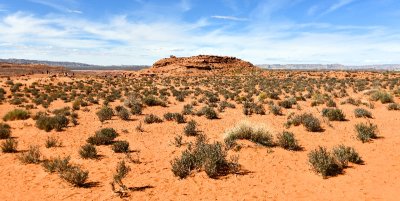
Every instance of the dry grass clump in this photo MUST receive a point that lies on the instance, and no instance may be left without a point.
(249, 131)
(5, 131)
(17, 114)
(332, 163)
(32, 156)
(71, 173)
(361, 112)
(212, 158)
(366, 131)
(9, 146)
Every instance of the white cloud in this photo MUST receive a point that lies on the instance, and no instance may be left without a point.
(123, 41)
(339, 4)
(223, 17)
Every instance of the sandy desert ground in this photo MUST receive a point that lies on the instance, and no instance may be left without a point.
(266, 172)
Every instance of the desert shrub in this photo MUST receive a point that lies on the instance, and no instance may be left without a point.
(310, 122)
(169, 116)
(344, 154)
(190, 128)
(123, 113)
(88, 151)
(361, 112)
(208, 112)
(382, 96)
(187, 109)
(153, 101)
(393, 106)
(333, 114)
(136, 108)
(366, 131)
(151, 118)
(248, 131)
(250, 108)
(286, 104)
(75, 176)
(287, 141)
(275, 110)
(9, 146)
(182, 166)
(76, 105)
(105, 113)
(323, 162)
(330, 103)
(120, 147)
(178, 141)
(104, 136)
(31, 156)
(16, 114)
(52, 142)
(121, 171)
(208, 157)
(57, 164)
(5, 131)
(48, 123)
(178, 117)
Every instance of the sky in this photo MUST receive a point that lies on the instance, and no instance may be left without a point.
(115, 32)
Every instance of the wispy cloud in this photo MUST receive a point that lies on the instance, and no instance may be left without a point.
(57, 6)
(3, 8)
(223, 17)
(339, 4)
(123, 41)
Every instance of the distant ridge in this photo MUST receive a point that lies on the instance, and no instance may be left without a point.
(75, 65)
(391, 67)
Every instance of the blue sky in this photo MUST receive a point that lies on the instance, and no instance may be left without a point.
(142, 31)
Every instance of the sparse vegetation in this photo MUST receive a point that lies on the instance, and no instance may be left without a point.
(16, 114)
(288, 141)
(5, 131)
(366, 131)
(249, 131)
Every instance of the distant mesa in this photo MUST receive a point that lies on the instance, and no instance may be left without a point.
(201, 64)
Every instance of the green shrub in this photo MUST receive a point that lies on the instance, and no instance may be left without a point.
(208, 157)
(285, 104)
(330, 103)
(75, 176)
(5, 131)
(123, 113)
(208, 112)
(393, 106)
(345, 154)
(48, 123)
(248, 131)
(16, 114)
(57, 164)
(382, 96)
(105, 113)
(121, 171)
(9, 146)
(190, 128)
(178, 117)
(275, 110)
(153, 101)
(149, 119)
(31, 156)
(52, 142)
(361, 112)
(333, 114)
(366, 132)
(323, 162)
(287, 141)
(88, 151)
(104, 136)
(121, 147)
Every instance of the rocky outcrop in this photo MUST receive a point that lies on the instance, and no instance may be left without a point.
(201, 64)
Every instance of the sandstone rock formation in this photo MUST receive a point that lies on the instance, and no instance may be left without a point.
(201, 64)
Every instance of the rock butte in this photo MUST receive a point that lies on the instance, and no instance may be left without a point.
(201, 64)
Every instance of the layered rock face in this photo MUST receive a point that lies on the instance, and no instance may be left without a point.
(201, 64)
